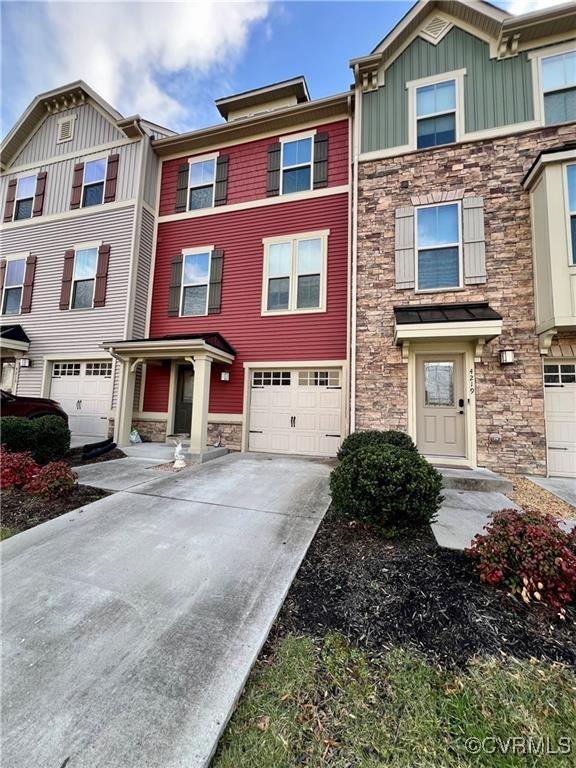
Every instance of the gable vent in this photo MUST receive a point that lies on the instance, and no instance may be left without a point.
(435, 29)
(66, 128)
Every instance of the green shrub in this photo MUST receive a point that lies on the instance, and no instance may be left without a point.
(373, 438)
(46, 438)
(386, 487)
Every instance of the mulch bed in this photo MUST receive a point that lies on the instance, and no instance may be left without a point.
(74, 457)
(408, 592)
(21, 510)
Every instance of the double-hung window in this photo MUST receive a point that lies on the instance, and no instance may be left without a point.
(295, 274)
(195, 283)
(201, 184)
(93, 182)
(23, 203)
(571, 173)
(438, 247)
(296, 170)
(13, 286)
(84, 278)
(436, 114)
(559, 87)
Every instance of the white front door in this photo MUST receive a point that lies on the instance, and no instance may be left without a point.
(84, 390)
(560, 403)
(296, 411)
(440, 405)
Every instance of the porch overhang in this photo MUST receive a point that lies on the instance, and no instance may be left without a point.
(13, 341)
(477, 323)
(210, 345)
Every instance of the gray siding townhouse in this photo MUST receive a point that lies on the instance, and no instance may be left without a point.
(464, 236)
(78, 189)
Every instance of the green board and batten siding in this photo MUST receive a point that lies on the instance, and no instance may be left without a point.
(496, 92)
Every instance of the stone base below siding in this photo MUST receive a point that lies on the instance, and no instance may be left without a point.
(230, 435)
(150, 431)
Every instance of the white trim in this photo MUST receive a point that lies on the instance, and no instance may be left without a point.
(67, 156)
(19, 178)
(459, 244)
(463, 329)
(94, 183)
(77, 248)
(289, 140)
(537, 89)
(21, 256)
(196, 161)
(293, 239)
(88, 244)
(569, 213)
(260, 203)
(72, 358)
(69, 119)
(226, 418)
(89, 211)
(14, 256)
(412, 86)
(209, 249)
(202, 158)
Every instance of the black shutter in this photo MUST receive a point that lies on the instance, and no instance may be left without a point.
(215, 289)
(320, 160)
(182, 188)
(221, 191)
(175, 286)
(273, 179)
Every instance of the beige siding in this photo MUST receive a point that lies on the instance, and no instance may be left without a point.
(91, 129)
(52, 331)
(143, 275)
(151, 176)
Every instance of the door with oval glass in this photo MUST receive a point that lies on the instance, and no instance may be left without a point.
(440, 405)
(183, 403)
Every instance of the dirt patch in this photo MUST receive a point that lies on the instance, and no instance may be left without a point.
(409, 592)
(21, 510)
(74, 457)
(528, 495)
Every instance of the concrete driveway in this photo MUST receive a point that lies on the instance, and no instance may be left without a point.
(130, 626)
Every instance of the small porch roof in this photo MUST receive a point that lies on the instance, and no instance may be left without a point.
(13, 340)
(210, 344)
(476, 322)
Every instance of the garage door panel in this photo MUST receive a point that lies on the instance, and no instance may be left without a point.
(560, 402)
(84, 390)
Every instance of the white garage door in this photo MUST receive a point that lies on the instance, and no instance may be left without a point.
(84, 390)
(560, 399)
(296, 411)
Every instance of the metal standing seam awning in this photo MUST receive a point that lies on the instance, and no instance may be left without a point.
(170, 347)
(476, 322)
(13, 341)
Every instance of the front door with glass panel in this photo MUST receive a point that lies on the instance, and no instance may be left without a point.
(183, 404)
(440, 405)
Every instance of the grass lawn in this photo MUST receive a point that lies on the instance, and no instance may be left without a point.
(325, 703)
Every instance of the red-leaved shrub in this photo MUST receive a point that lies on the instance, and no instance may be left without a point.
(530, 555)
(53, 480)
(16, 469)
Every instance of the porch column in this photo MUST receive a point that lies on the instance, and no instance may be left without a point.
(200, 401)
(125, 404)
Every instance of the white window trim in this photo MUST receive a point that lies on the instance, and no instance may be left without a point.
(569, 215)
(201, 159)
(93, 183)
(22, 255)
(95, 244)
(412, 86)
(537, 89)
(72, 119)
(288, 140)
(209, 249)
(444, 245)
(294, 238)
(16, 198)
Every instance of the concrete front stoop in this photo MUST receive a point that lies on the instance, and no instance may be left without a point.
(478, 479)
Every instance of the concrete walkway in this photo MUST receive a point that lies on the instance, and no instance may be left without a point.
(463, 514)
(130, 626)
(563, 487)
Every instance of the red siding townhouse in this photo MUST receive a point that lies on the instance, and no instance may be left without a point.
(247, 338)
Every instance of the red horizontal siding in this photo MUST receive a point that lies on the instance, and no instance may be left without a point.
(239, 234)
(157, 386)
(248, 163)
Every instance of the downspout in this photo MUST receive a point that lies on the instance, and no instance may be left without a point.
(349, 265)
(354, 283)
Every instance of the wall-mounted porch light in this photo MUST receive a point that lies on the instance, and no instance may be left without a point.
(225, 376)
(24, 362)
(506, 356)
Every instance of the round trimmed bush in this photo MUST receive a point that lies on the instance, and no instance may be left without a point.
(387, 487)
(374, 438)
(47, 438)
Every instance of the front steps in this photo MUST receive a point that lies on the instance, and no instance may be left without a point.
(474, 480)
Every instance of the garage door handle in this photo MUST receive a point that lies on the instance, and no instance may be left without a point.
(331, 435)
(292, 421)
(554, 448)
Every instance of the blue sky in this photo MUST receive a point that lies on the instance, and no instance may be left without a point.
(169, 61)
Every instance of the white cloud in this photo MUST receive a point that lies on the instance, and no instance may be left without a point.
(518, 7)
(129, 51)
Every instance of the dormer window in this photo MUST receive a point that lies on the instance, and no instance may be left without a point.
(202, 181)
(436, 114)
(93, 183)
(296, 169)
(24, 201)
(559, 87)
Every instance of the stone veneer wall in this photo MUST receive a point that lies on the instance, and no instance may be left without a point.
(154, 431)
(230, 435)
(509, 400)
